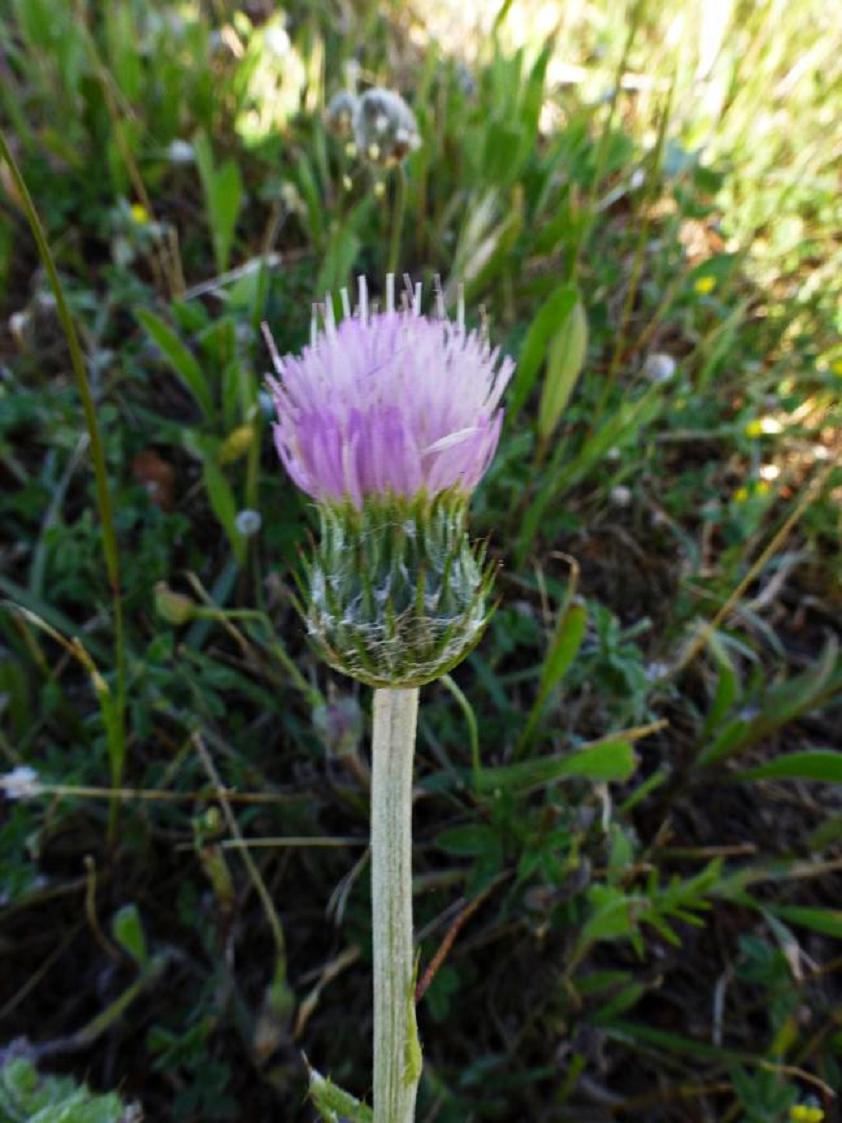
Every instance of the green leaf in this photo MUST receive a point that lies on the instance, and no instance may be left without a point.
(183, 362)
(612, 915)
(565, 646)
(826, 834)
(826, 921)
(333, 1104)
(727, 687)
(224, 204)
(567, 640)
(224, 506)
(127, 930)
(223, 188)
(603, 761)
(781, 704)
(811, 764)
(550, 317)
(565, 360)
(468, 841)
(561, 472)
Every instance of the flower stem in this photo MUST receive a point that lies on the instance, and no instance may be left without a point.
(398, 215)
(397, 1052)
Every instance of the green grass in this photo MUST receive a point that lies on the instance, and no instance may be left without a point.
(628, 814)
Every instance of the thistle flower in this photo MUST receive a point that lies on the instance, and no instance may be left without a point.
(389, 421)
(394, 403)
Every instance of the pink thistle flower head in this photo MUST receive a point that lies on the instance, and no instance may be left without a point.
(389, 404)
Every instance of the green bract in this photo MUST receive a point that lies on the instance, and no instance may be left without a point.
(396, 595)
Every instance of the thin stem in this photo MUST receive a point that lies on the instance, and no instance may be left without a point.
(397, 1052)
(398, 214)
(113, 708)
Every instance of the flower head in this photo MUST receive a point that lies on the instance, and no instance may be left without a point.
(389, 421)
(385, 128)
(21, 783)
(394, 403)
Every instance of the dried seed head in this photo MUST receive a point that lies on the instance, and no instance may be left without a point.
(385, 127)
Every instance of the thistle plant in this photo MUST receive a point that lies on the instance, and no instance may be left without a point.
(389, 420)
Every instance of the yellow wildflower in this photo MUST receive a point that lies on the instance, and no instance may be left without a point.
(140, 214)
(705, 284)
(802, 1113)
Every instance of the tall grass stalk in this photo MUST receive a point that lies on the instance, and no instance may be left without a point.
(113, 705)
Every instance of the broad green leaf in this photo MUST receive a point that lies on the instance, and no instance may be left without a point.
(224, 202)
(612, 915)
(128, 932)
(826, 921)
(550, 317)
(603, 761)
(224, 506)
(223, 188)
(565, 360)
(811, 764)
(561, 472)
(727, 688)
(183, 362)
(565, 645)
(781, 704)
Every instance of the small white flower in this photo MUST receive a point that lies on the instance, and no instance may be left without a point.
(276, 39)
(659, 367)
(20, 783)
(621, 495)
(248, 522)
(18, 323)
(656, 670)
(180, 152)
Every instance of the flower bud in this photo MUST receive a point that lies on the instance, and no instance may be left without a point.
(396, 595)
(173, 607)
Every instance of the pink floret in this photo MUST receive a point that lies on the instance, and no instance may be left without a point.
(393, 403)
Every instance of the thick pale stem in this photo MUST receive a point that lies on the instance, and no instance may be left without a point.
(397, 1053)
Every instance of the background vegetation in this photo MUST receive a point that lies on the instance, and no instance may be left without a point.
(628, 813)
